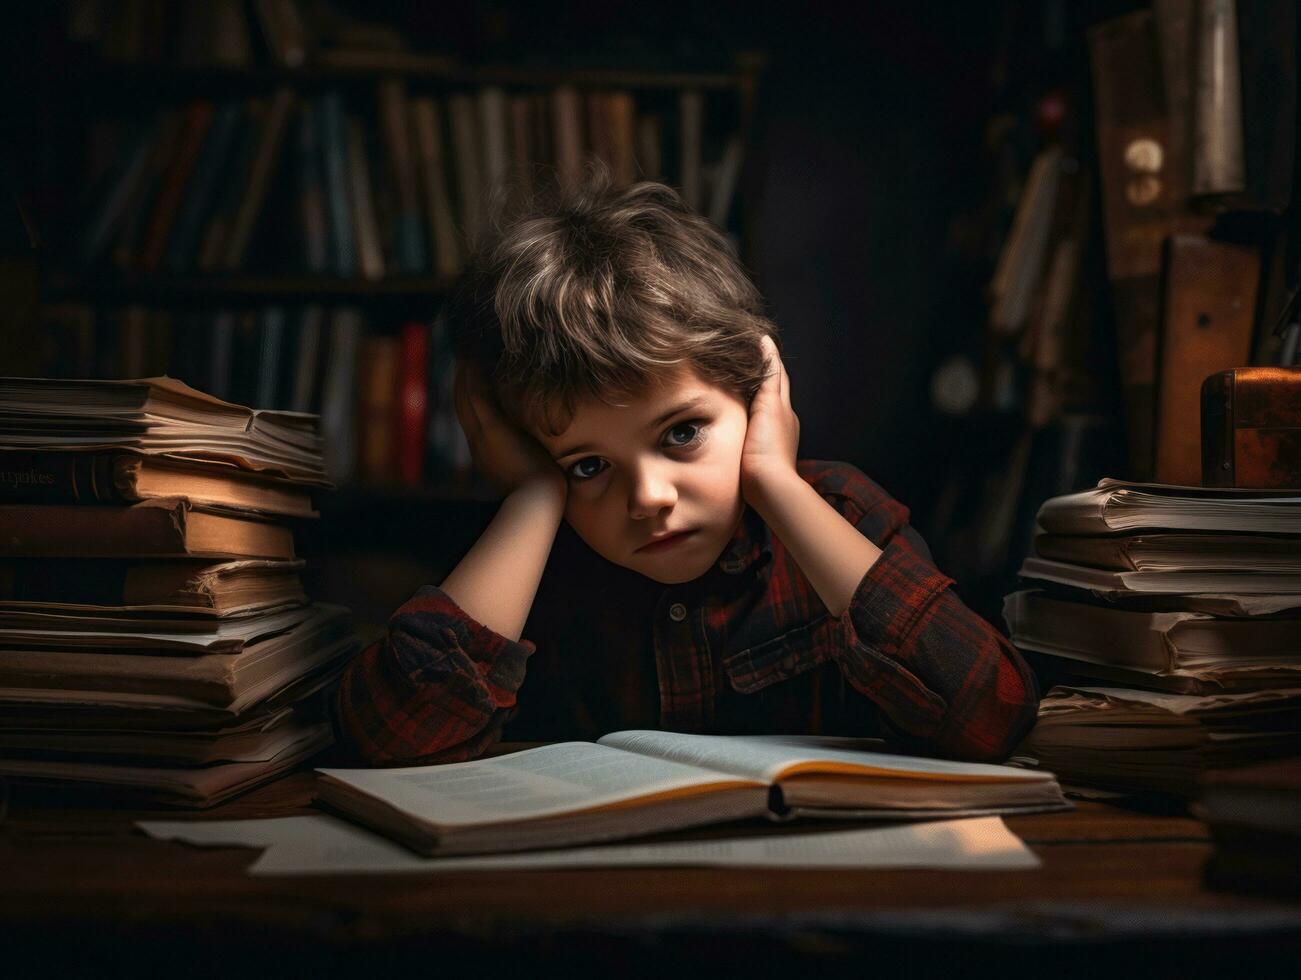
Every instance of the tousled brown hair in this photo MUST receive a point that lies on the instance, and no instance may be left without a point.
(598, 292)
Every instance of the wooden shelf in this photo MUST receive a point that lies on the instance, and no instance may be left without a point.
(240, 289)
(108, 78)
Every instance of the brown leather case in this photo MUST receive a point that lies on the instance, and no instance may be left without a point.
(1251, 428)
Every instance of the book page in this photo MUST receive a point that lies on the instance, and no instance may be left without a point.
(326, 845)
(553, 779)
(768, 757)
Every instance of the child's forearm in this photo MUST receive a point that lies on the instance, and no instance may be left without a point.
(496, 581)
(829, 550)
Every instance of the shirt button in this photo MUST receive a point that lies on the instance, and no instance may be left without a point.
(731, 565)
(677, 612)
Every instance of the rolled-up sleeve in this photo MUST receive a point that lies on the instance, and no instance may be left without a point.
(437, 687)
(946, 679)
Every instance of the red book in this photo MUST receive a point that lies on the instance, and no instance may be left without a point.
(412, 402)
(197, 117)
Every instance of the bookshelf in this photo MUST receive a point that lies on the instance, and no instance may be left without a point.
(131, 301)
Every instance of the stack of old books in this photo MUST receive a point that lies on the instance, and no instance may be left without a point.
(155, 638)
(1171, 617)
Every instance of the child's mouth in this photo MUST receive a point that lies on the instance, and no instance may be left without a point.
(663, 544)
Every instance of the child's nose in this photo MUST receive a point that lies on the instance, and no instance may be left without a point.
(650, 494)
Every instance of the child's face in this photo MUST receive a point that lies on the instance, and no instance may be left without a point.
(667, 463)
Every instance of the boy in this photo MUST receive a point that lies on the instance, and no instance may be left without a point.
(660, 559)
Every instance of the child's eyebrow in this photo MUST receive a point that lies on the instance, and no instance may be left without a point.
(691, 403)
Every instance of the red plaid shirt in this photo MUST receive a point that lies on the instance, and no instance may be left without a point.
(748, 647)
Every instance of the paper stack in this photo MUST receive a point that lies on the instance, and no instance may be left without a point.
(155, 637)
(1172, 617)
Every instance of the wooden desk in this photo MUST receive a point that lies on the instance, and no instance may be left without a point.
(1117, 890)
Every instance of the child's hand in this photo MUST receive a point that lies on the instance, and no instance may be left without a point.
(773, 434)
(507, 456)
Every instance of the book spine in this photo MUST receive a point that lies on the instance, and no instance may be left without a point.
(183, 243)
(621, 114)
(308, 356)
(598, 127)
(413, 402)
(567, 133)
(438, 202)
(363, 203)
(197, 119)
(408, 237)
(131, 172)
(259, 179)
(56, 478)
(338, 396)
(92, 532)
(377, 409)
(465, 147)
(334, 147)
(691, 111)
(495, 133)
(271, 331)
(217, 235)
(311, 191)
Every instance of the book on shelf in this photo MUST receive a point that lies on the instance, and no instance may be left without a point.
(211, 164)
(490, 106)
(333, 131)
(339, 395)
(166, 527)
(427, 124)
(310, 189)
(468, 158)
(691, 116)
(410, 436)
(396, 120)
(112, 200)
(567, 133)
(370, 252)
(115, 585)
(252, 192)
(303, 396)
(1180, 650)
(378, 407)
(283, 31)
(640, 782)
(167, 203)
(226, 201)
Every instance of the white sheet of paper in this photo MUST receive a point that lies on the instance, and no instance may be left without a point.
(326, 845)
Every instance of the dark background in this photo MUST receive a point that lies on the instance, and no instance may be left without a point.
(876, 225)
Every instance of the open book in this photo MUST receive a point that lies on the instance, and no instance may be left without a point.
(641, 782)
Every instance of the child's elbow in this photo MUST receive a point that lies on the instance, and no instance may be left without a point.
(1002, 723)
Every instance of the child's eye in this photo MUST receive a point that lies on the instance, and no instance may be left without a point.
(587, 467)
(683, 434)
